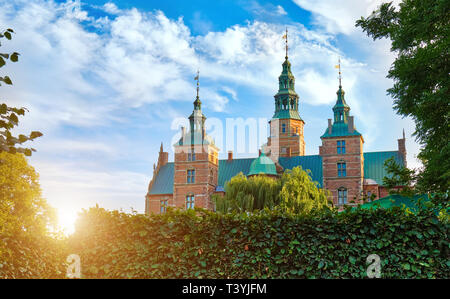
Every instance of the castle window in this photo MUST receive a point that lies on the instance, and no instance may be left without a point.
(163, 206)
(342, 171)
(191, 156)
(190, 201)
(285, 84)
(283, 128)
(190, 176)
(342, 196)
(341, 147)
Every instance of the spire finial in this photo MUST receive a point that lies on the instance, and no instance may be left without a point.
(285, 37)
(340, 74)
(161, 148)
(403, 133)
(197, 78)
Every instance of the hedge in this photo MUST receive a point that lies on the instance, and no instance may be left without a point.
(268, 244)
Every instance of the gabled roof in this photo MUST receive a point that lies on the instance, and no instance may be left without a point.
(374, 164)
(373, 169)
(228, 169)
(163, 183)
(313, 163)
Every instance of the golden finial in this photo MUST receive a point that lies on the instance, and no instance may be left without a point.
(197, 78)
(340, 75)
(285, 37)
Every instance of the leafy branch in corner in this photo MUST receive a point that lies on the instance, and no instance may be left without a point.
(9, 116)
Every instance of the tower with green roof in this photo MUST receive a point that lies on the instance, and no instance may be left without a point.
(196, 163)
(342, 154)
(286, 126)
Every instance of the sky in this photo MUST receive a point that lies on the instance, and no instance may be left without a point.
(107, 81)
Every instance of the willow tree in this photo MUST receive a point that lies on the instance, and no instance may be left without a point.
(294, 192)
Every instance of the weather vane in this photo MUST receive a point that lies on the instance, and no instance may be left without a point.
(285, 37)
(339, 67)
(197, 78)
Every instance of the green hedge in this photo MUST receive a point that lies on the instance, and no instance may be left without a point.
(201, 244)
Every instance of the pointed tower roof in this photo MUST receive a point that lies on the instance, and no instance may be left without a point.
(341, 112)
(196, 134)
(286, 99)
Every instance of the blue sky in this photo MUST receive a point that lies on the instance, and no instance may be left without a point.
(108, 81)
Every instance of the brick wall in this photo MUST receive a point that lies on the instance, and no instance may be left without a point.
(206, 167)
(354, 160)
(289, 143)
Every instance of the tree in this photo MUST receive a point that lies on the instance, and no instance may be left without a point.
(420, 35)
(399, 176)
(294, 192)
(26, 246)
(9, 116)
(299, 194)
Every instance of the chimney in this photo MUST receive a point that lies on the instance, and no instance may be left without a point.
(230, 155)
(351, 125)
(183, 134)
(329, 126)
(402, 148)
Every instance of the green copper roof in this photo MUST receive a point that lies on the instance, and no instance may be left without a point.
(396, 200)
(374, 164)
(192, 138)
(339, 129)
(163, 183)
(285, 114)
(373, 169)
(313, 163)
(262, 165)
(228, 169)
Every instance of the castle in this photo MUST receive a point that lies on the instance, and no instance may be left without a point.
(342, 167)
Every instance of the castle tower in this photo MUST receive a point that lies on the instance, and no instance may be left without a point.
(286, 126)
(196, 163)
(342, 154)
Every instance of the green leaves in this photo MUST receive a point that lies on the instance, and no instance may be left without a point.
(9, 115)
(418, 30)
(269, 244)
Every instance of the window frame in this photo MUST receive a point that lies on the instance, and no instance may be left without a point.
(342, 169)
(342, 195)
(190, 201)
(190, 176)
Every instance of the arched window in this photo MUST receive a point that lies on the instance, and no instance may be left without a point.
(190, 201)
(342, 196)
(285, 84)
(283, 128)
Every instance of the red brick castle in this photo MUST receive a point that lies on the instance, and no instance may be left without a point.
(342, 166)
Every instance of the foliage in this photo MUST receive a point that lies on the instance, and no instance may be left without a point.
(249, 194)
(9, 116)
(266, 244)
(26, 247)
(399, 175)
(420, 35)
(294, 192)
(299, 194)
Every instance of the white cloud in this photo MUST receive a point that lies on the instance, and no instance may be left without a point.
(280, 10)
(72, 75)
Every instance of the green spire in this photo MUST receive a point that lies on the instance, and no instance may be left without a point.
(340, 109)
(197, 119)
(286, 100)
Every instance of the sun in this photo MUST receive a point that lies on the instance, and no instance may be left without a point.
(66, 220)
